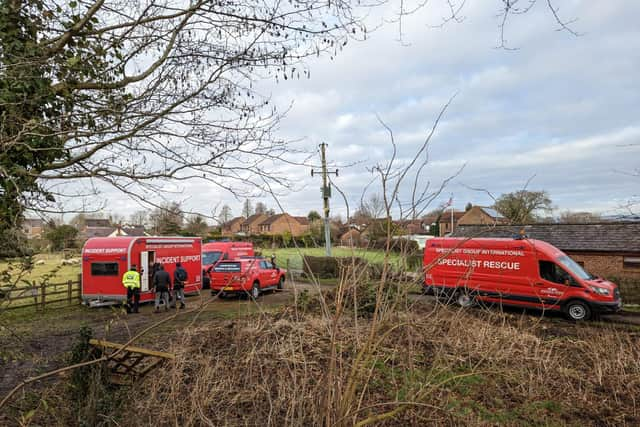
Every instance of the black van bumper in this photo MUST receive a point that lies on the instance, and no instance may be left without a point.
(606, 307)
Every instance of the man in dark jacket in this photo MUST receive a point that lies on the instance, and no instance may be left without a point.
(161, 285)
(179, 278)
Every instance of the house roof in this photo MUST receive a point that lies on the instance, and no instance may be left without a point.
(303, 220)
(97, 222)
(596, 237)
(446, 216)
(233, 221)
(491, 212)
(274, 218)
(253, 218)
(98, 231)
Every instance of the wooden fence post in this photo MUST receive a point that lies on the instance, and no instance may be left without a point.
(43, 295)
(69, 284)
(80, 287)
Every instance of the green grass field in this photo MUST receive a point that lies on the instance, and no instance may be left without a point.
(294, 255)
(51, 266)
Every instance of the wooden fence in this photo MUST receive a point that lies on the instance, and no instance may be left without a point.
(42, 295)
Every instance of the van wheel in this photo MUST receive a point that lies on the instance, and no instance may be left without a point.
(281, 282)
(464, 299)
(577, 311)
(255, 290)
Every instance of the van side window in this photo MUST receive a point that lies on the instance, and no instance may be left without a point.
(554, 273)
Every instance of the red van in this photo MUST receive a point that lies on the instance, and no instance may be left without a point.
(517, 272)
(105, 260)
(246, 275)
(214, 252)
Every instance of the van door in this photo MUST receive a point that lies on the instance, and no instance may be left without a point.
(144, 275)
(552, 284)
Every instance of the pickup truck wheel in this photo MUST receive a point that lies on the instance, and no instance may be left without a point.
(281, 282)
(577, 310)
(464, 299)
(255, 290)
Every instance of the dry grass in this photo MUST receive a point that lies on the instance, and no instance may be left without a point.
(441, 367)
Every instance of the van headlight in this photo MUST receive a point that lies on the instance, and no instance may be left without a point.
(599, 290)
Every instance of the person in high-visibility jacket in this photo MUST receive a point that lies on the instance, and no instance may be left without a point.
(131, 281)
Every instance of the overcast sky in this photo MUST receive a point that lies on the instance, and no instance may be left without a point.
(560, 111)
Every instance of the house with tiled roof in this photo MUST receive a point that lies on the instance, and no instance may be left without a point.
(251, 225)
(608, 249)
(480, 215)
(281, 223)
(233, 226)
(448, 221)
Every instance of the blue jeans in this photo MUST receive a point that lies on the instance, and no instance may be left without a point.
(164, 296)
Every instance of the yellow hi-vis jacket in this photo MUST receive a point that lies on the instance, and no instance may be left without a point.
(131, 279)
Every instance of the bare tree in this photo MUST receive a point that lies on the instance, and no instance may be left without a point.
(247, 208)
(167, 219)
(196, 226)
(570, 217)
(139, 218)
(131, 93)
(225, 214)
(260, 208)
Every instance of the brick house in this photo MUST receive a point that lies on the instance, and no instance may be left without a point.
(351, 238)
(479, 215)
(33, 227)
(610, 250)
(444, 225)
(251, 224)
(281, 223)
(233, 226)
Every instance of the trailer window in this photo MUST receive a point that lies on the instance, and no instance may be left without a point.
(104, 269)
(211, 257)
(227, 267)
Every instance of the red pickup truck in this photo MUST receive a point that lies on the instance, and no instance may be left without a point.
(246, 275)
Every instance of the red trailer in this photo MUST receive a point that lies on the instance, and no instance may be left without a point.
(105, 259)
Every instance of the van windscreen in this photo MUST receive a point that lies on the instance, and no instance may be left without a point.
(574, 267)
(227, 267)
(212, 257)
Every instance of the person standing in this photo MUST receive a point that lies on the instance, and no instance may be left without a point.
(131, 281)
(161, 286)
(179, 278)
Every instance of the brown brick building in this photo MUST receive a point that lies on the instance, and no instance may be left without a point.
(444, 225)
(611, 250)
(252, 224)
(281, 223)
(479, 215)
(233, 226)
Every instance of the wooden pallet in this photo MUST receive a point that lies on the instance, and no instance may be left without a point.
(132, 363)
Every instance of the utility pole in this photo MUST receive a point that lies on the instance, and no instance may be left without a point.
(326, 194)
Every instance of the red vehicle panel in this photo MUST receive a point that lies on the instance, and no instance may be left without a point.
(252, 275)
(105, 259)
(518, 272)
(214, 252)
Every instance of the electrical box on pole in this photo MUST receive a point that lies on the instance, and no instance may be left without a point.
(325, 190)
